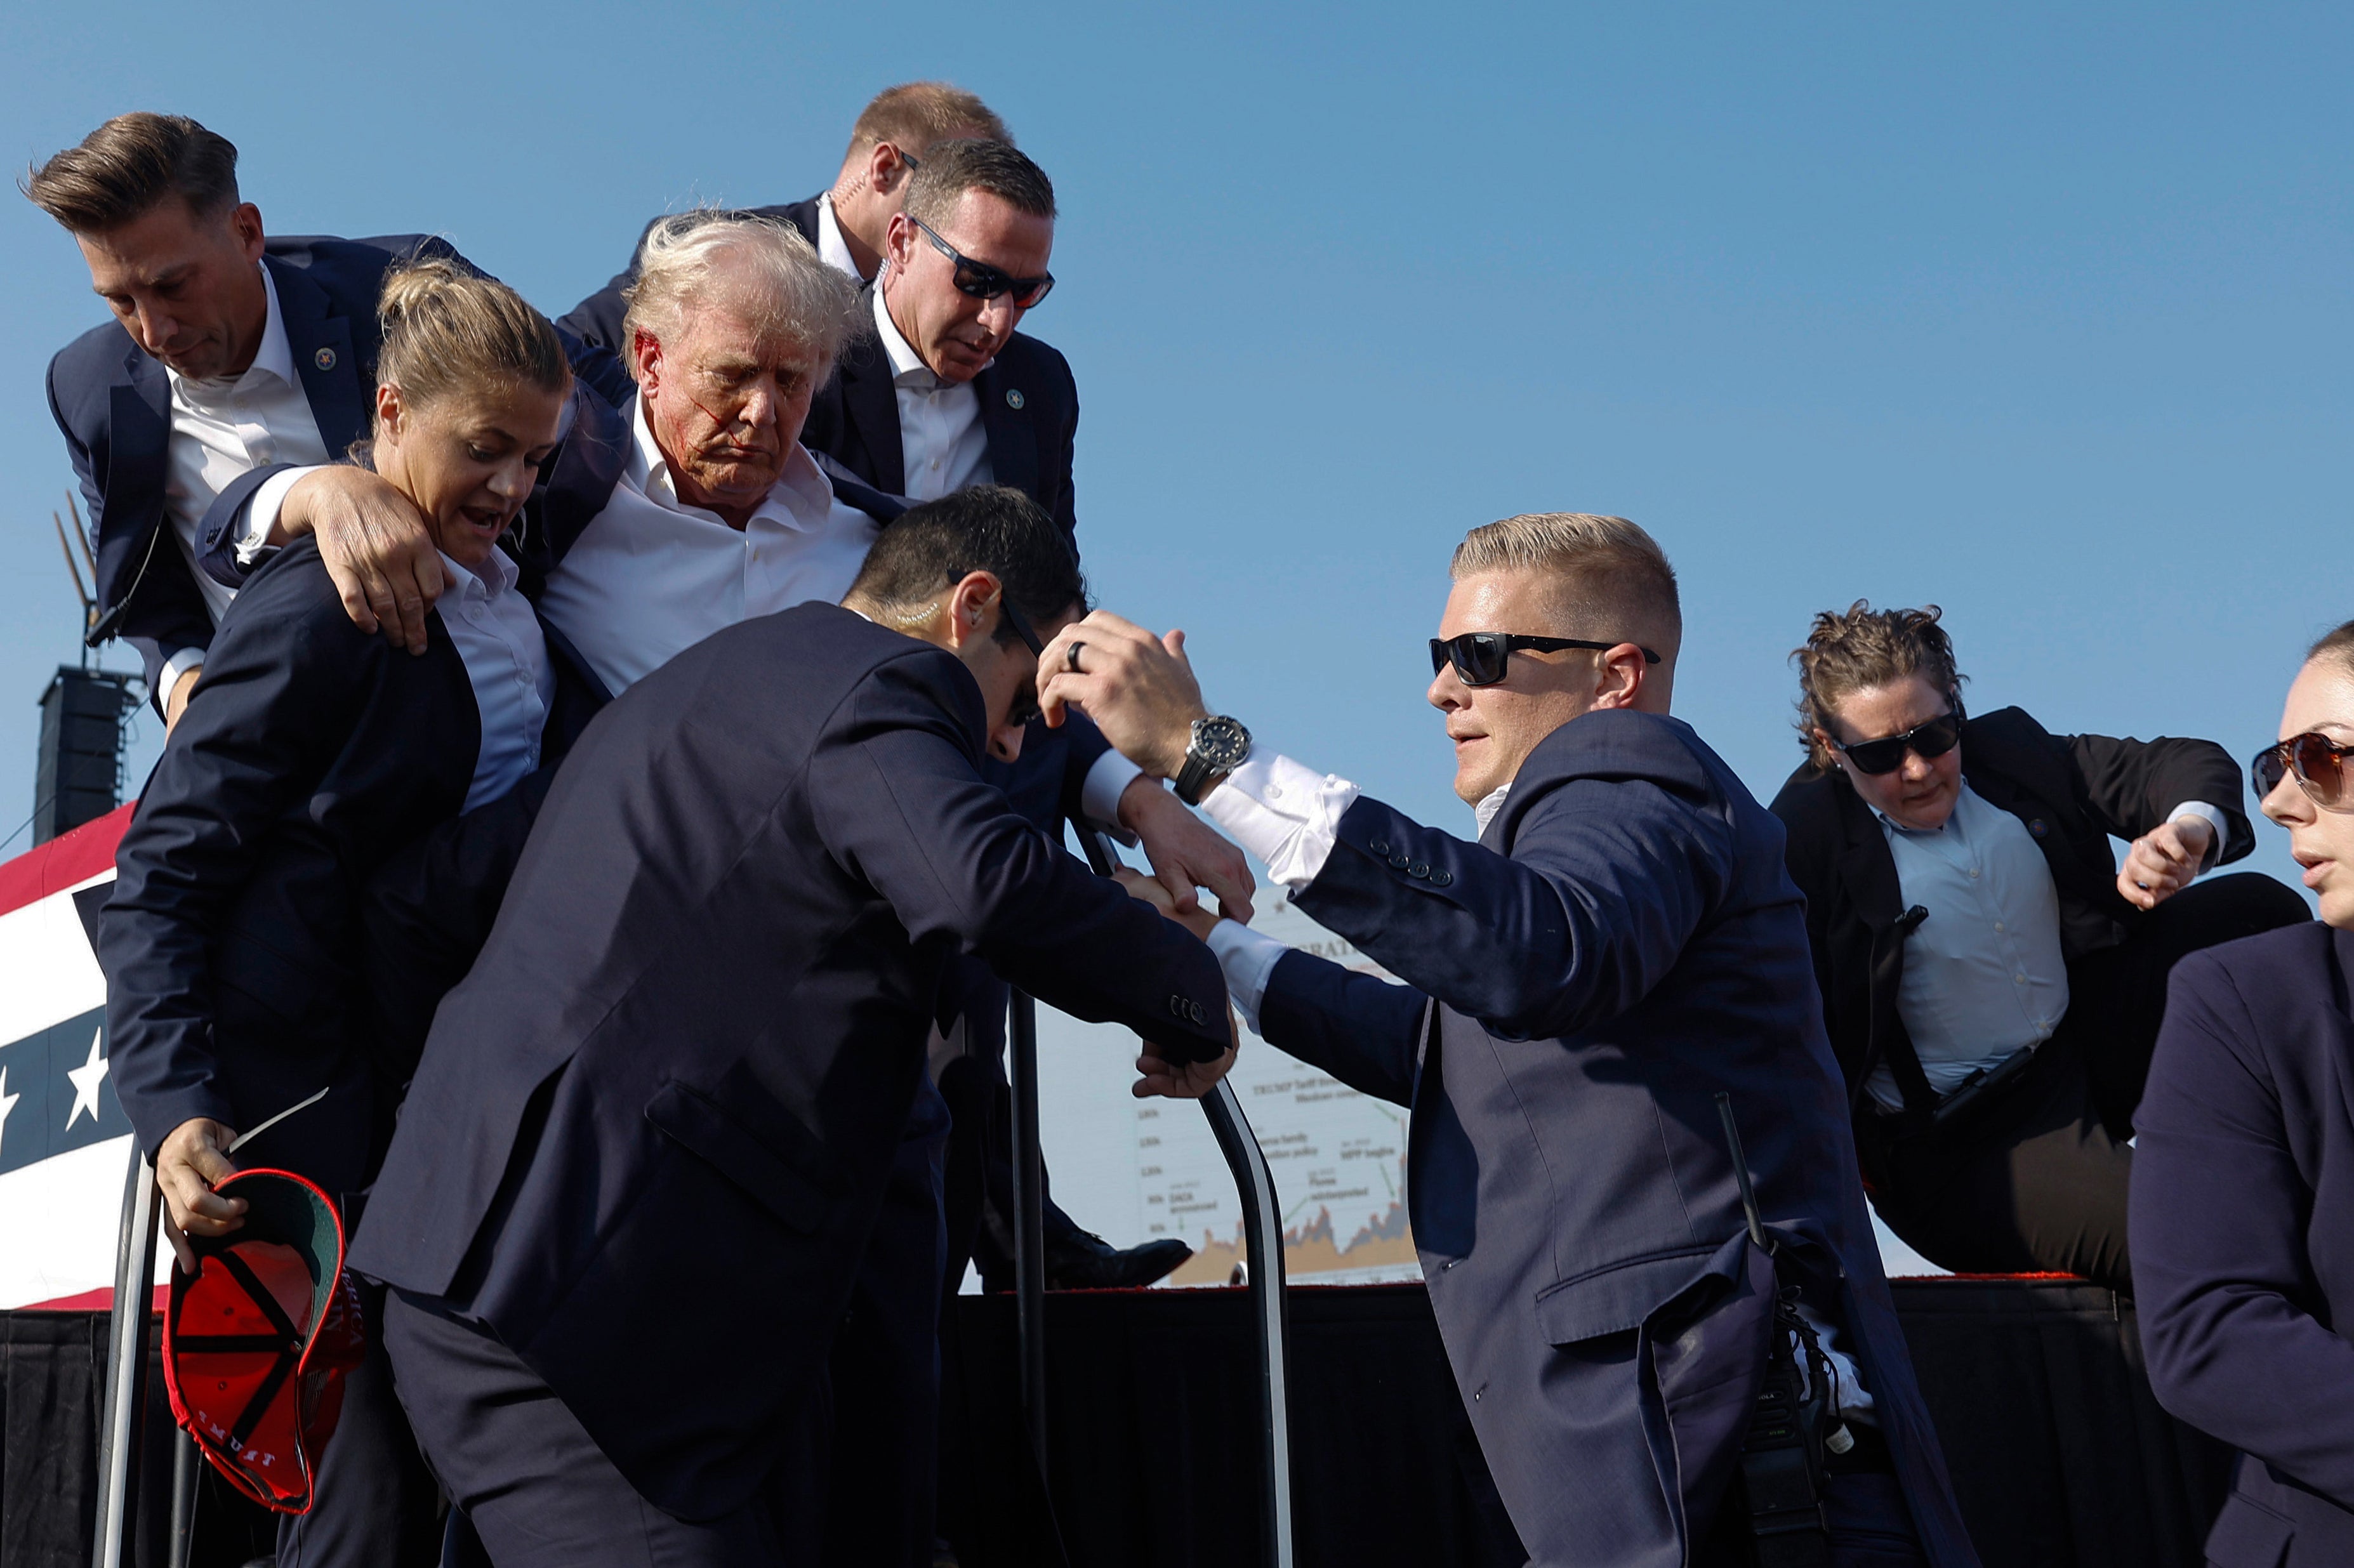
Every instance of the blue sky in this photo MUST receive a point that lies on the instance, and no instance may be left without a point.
(2040, 314)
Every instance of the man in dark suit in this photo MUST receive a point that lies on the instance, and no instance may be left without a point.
(650, 1132)
(1991, 980)
(848, 223)
(230, 353)
(1616, 966)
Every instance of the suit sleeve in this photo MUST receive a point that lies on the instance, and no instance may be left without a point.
(1362, 1031)
(279, 696)
(1607, 883)
(167, 615)
(597, 319)
(901, 805)
(1060, 461)
(2216, 1219)
(2130, 786)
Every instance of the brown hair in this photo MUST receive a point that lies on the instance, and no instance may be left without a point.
(127, 165)
(1861, 649)
(447, 329)
(1612, 580)
(953, 168)
(915, 114)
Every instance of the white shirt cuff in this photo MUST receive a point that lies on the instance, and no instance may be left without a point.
(177, 665)
(1287, 814)
(2213, 815)
(1246, 957)
(261, 509)
(1099, 794)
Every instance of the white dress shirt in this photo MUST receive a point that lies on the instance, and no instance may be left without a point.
(832, 247)
(943, 445)
(1985, 975)
(496, 635)
(228, 426)
(1289, 815)
(651, 576)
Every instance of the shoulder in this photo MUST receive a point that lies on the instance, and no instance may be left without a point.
(1618, 746)
(84, 368)
(1041, 362)
(2286, 970)
(332, 261)
(291, 601)
(2011, 730)
(1811, 806)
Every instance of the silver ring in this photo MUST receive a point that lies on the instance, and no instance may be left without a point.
(1071, 658)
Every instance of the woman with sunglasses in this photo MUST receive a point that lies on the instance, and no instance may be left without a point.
(1992, 979)
(2243, 1178)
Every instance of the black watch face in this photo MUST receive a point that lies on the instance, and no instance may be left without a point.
(1222, 743)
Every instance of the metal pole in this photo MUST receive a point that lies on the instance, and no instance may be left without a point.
(1263, 1245)
(184, 1500)
(1029, 1221)
(126, 1366)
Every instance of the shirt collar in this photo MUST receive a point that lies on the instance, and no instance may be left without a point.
(273, 356)
(1889, 824)
(907, 366)
(497, 573)
(802, 495)
(1485, 812)
(832, 247)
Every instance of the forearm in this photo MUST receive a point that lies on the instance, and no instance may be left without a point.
(1362, 1031)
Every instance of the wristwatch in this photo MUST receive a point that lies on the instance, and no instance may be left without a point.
(1219, 746)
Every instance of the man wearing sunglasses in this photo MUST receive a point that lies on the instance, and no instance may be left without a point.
(1992, 979)
(1617, 966)
(848, 222)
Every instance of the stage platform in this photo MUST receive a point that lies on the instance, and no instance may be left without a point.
(2060, 1455)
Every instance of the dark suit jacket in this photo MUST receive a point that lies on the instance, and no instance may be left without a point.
(1621, 945)
(2074, 792)
(2242, 1221)
(658, 1114)
(232, 940)
(598, 319)
(1029, 406)
(114, 403)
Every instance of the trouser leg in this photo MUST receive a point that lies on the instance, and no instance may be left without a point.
(2037, 1186)
(885, 1369)
(536, 1489)
(2117, 998)
(376, 1505)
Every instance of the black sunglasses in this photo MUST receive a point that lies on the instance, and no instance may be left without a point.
(1481, 657)
(983, 281)
(2319, 762)
(1886, 754)
(1025, 705)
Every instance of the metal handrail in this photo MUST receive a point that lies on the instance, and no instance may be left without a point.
(1262, 1245)
(126, 1366)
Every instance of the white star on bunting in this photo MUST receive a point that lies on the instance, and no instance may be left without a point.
(86, 1079)
(7, 1103)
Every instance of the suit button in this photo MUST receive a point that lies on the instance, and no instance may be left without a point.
(1418, 870)
(1379, 846)
(1399, 859)
(1176, 1006)
(1441, 878)
(1200, 1014)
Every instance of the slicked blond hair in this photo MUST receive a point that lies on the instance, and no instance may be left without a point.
(769, 270)
(1611, 579)
(915, 114)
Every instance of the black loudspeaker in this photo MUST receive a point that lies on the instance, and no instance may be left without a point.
(80, 772)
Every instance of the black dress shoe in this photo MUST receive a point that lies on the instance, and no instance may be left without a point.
(1078, 1261)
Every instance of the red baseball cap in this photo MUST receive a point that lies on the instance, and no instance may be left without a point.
(258, 1340)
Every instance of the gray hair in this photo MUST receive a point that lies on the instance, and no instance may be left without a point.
(686, 255)
(1608, 574)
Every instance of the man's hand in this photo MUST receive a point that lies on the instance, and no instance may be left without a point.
(1159, 1078)
(176, 701)
(2163, 860)
(1186, 851)
(376, 549)
(1139, 688)
(193, 1157)
(1153, 891)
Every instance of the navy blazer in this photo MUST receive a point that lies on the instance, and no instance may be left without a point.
(677, 1077)
(232, 941)
(598, 319)
(1029, 407)
(2242, 1223)
(113, 402)
(1621, 945)
(2073, 793)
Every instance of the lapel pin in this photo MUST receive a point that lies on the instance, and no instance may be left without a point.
(1013, 398)
(324, 359)
(2038, 828)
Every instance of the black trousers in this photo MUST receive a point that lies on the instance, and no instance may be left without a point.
(2035, 1180)
(376, 1502)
